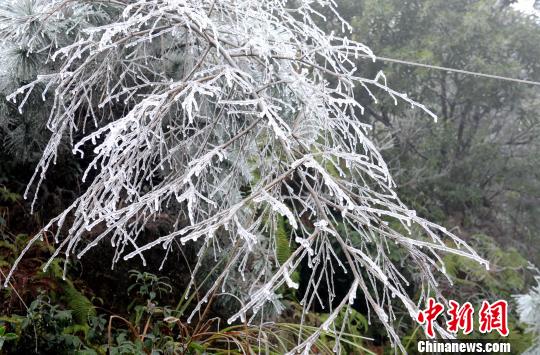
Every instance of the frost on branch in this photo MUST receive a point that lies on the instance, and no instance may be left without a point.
(529, 314)
(189, 104)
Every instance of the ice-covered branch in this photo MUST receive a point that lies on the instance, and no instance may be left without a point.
(229, 115)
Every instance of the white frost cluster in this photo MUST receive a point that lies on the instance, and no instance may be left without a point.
(529, 313)
(188, 104)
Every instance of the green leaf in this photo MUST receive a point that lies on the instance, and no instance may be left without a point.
(283, 249)
(10, 336)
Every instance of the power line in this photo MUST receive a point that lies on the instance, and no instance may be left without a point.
(461, 71)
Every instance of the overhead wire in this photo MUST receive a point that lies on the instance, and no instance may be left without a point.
(461, 71)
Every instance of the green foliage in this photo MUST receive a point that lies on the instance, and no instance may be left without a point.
(148, 328)
(476, 167)
(49, 327)
(82, 308)
(6, 336)
(8, 196)
(80, 304)
(283, 248)
(506, 277)
(354, 325)
(155, 329)
(149, 286)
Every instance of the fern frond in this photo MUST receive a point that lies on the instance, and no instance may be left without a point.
(283, 248)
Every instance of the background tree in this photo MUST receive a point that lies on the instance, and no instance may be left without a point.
(478, 166)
